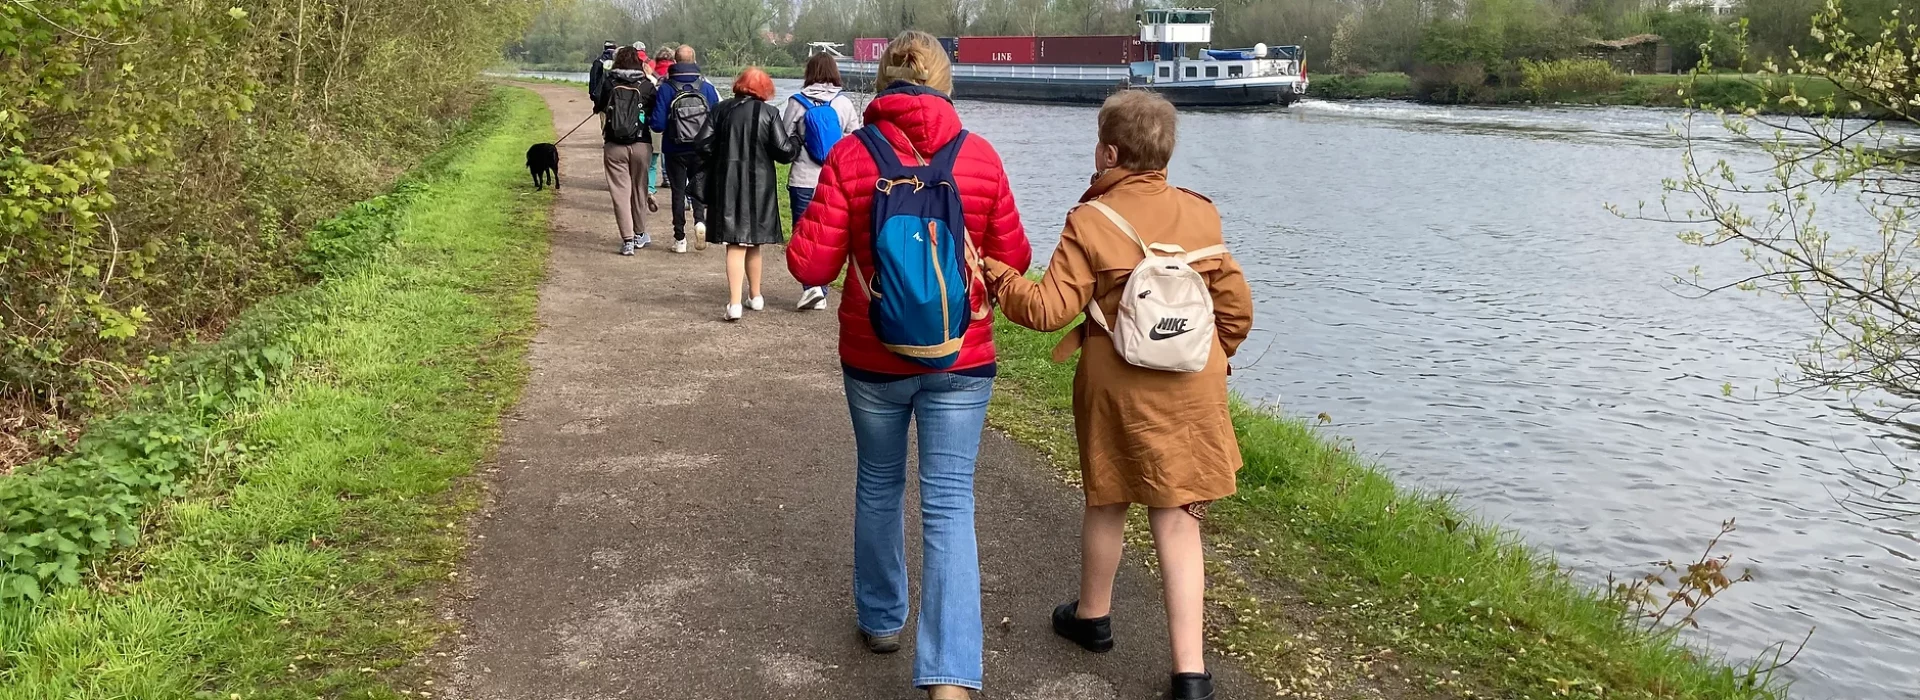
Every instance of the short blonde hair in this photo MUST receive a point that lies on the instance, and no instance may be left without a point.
(916, 57)
(1142, 126)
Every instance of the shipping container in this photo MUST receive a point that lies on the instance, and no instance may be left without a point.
(952, 45)
(868, 49)
(1090, 50)
(997, 49)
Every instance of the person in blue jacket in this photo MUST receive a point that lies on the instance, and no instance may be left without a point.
(597, 71)
(680, 109)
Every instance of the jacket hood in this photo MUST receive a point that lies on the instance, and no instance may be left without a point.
(627, 75)
(823, 92)
(923, 114)
(684, 72)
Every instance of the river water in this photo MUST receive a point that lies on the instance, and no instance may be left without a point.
(1447, 285)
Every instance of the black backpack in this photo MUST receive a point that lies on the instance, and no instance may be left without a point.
(626, 115)
(687, 112)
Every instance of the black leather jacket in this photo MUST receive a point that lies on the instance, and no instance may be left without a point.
(738, 147)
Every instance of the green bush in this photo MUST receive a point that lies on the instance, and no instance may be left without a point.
(1461, 83)
(1549, 81)
(162, 160)
(61, 512)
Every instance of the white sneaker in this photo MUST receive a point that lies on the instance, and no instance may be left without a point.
(680, 246)
(820, 305)
(757, 304)
(810, 298)
(734, 313)
(699, 236)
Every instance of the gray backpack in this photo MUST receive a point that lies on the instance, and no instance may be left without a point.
(687, 112)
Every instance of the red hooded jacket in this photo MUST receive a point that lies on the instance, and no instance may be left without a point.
(839, 221)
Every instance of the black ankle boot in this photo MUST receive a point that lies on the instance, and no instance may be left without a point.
(1192, 686)
(1095, 635)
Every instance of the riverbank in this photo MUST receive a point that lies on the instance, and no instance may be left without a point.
(296, 545)
(1381, 579)
(1634, 90)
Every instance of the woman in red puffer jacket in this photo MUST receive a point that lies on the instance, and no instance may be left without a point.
(884, 390)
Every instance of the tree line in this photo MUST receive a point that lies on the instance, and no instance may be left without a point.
(1345, 35)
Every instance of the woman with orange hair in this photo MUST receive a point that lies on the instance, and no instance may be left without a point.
(739, 146)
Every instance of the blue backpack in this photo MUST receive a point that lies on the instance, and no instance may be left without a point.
(920, 292)
(821, 127)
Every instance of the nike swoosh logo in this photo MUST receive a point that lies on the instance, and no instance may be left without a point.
(1156, 334)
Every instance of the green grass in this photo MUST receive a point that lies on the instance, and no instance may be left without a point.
(1384, 569)
(308, 567)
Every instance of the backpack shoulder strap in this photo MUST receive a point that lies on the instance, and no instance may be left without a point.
(1120, 221)
(881, 149)
(944, 159)
(1211, 251)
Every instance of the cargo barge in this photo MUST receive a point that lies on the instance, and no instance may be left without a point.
(1088, 69)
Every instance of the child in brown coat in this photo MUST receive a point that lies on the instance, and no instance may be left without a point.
(1161, 439)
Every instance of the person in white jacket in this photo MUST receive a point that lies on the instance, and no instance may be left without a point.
(821, 87)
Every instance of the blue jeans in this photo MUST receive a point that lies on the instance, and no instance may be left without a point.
(950, 411)
(798, 198)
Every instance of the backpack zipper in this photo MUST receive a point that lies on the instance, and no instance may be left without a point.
(933, 256)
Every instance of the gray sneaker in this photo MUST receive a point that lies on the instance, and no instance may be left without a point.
(643, 241)
(626, 247)
(884, 644)
(810, 298)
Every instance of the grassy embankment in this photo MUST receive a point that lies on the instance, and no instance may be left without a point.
(1635, 90)
(1395, 583)
(301, 553)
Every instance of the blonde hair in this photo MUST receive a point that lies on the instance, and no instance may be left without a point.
(1142, 126)
(916, 57)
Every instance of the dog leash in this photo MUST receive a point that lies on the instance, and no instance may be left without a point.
(576, 127)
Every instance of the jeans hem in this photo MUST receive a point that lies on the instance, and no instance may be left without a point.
(946, 680)
(869, 632)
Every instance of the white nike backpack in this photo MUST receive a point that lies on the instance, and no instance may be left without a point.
(1166, 314)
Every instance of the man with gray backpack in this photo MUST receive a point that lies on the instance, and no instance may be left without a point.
(681, 107)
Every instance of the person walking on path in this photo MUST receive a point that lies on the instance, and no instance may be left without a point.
(662, 61)
(739, 146)
(885, 391)
(597, 71)
(680, 110)
(1163, 439)
(622, 105)
(821, 106)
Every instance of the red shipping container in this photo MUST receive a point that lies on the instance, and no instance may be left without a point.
(998, 49)
(868, 49)
(1090, 50)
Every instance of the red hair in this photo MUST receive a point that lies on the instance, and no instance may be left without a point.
(754, 83)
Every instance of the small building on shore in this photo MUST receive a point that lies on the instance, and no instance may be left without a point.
(1644, 53)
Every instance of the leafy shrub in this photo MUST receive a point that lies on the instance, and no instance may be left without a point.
(162, 160)
(59, 513)
(1548, 81)
(356, 234)
(1460, 83)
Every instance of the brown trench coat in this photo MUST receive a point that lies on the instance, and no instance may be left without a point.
(1161, 439)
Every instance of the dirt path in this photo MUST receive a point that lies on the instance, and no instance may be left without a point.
(670, 513)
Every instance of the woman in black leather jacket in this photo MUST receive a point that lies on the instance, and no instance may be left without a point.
(740, 144)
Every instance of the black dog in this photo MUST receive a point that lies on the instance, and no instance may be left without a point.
(543, 160)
